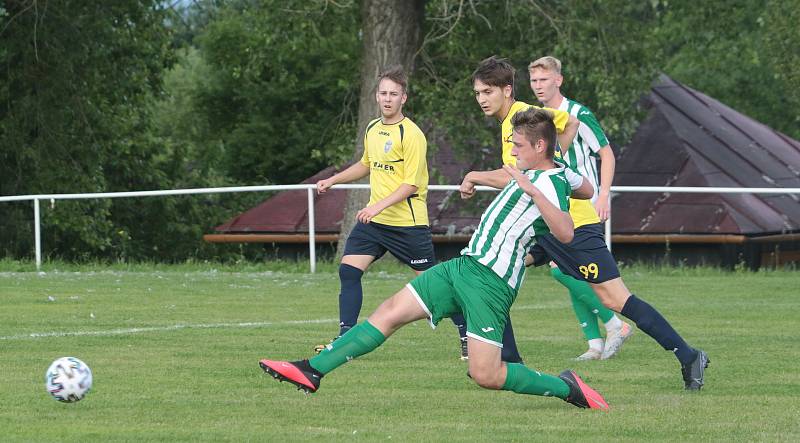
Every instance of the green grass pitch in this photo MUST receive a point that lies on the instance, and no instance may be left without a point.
(174, 351)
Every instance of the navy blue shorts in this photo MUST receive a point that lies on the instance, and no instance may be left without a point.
(586, 257)
(411, 245)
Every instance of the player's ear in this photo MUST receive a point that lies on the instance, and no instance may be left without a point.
(403, 98)
(507, 91)
(559, 79)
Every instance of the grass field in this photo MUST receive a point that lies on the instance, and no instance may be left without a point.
(174, 353)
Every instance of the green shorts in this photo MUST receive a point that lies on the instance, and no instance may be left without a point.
(462, 285)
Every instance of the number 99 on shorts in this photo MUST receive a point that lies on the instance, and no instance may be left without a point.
(589, 271)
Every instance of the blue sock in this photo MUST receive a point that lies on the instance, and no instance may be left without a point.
(655, 325)
(461, 324)
(510, 354)
(350, 298)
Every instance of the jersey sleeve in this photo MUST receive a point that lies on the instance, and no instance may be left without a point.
(574, 179)
(560, 118)
(415, 149)
(365, 155)
(591, 131)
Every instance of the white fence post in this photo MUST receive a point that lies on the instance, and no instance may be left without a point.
(37, 233)
(312, 241)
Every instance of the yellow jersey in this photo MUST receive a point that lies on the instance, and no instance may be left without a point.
(560, 118)
(581, 211)
(395, 154)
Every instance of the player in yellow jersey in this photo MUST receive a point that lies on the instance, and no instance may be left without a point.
(591, 142)
(396, 218)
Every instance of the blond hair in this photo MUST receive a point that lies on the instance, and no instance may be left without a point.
(548, 63)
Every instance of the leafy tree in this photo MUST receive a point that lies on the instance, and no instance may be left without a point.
(76, 78)
(781, 36)
(279, 98)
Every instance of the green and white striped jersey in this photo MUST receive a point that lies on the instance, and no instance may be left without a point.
(510, 223)
(582, 155)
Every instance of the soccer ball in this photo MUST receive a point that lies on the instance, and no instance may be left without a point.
(68, 379)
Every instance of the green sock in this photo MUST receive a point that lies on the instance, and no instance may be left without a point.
(586, 318)
(583, 295)
(523, 380)
(359, 340)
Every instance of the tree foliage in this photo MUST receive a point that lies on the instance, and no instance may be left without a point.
(281, 87)
(76, 82)
(134, 95)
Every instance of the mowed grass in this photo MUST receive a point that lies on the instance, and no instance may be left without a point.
(174, 353)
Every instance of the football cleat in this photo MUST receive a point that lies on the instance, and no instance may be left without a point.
(580, 394)
(464, 349)
(693, 373)
(591, 354)
(298, 373)
(615, 339)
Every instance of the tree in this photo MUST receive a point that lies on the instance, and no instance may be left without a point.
(781, 36)
(76, 81)
(278, 96)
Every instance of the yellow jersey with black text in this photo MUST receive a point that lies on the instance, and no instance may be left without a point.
(396, 154)
(581, 211)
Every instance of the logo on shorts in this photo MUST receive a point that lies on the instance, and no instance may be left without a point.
(489, 329)
(418, 261)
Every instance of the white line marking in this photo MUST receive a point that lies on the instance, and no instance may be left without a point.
(165, 328)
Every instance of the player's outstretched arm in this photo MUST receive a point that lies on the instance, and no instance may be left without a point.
(566, 137)
(559, 222)
(581, 186)
(354, 172)
(496, 179)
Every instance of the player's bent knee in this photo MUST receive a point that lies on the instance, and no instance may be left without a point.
(486, 379)
(349, 273)
(608, 297)
(485, 373)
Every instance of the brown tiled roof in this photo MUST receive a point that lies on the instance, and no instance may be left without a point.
(690, 139)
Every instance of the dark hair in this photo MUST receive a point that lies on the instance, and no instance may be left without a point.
(535, 124)
(495, 71)
(396, 74)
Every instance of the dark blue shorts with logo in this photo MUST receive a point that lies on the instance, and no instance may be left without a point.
(411, 245)
(586, 257)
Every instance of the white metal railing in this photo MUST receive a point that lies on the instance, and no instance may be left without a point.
(311, 188)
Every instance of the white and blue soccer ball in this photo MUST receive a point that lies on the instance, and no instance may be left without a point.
(68, 379)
